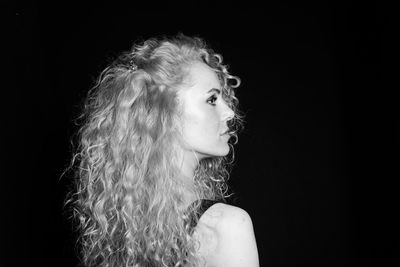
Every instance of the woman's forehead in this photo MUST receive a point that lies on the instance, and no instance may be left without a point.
(202, 78)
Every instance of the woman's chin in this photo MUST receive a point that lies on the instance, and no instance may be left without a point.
(220, 153)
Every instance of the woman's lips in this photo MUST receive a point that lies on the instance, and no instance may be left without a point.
(226, 132)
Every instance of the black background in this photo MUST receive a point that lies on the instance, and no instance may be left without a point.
(315, 165)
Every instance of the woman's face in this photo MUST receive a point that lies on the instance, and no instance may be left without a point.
(205, 113)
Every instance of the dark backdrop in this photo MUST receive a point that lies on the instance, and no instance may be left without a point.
(314, 165)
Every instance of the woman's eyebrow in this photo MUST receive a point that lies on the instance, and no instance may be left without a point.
(215, 90)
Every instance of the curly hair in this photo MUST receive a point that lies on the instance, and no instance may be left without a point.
(127, 197)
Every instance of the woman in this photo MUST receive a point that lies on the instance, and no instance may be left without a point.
(151, 163)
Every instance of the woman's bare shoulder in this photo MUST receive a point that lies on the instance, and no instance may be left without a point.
(227, 237)
(222, 215)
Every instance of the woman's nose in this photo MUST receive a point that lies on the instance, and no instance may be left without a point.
(228, 113)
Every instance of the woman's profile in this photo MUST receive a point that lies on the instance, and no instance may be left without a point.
(152, 161)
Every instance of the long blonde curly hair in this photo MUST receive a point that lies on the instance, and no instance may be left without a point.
(127, 195)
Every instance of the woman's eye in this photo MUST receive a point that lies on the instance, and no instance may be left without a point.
(212, 100)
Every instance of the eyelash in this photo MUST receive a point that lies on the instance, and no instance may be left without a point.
(214, 98)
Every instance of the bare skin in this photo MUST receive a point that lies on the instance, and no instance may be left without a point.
(226, 237)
